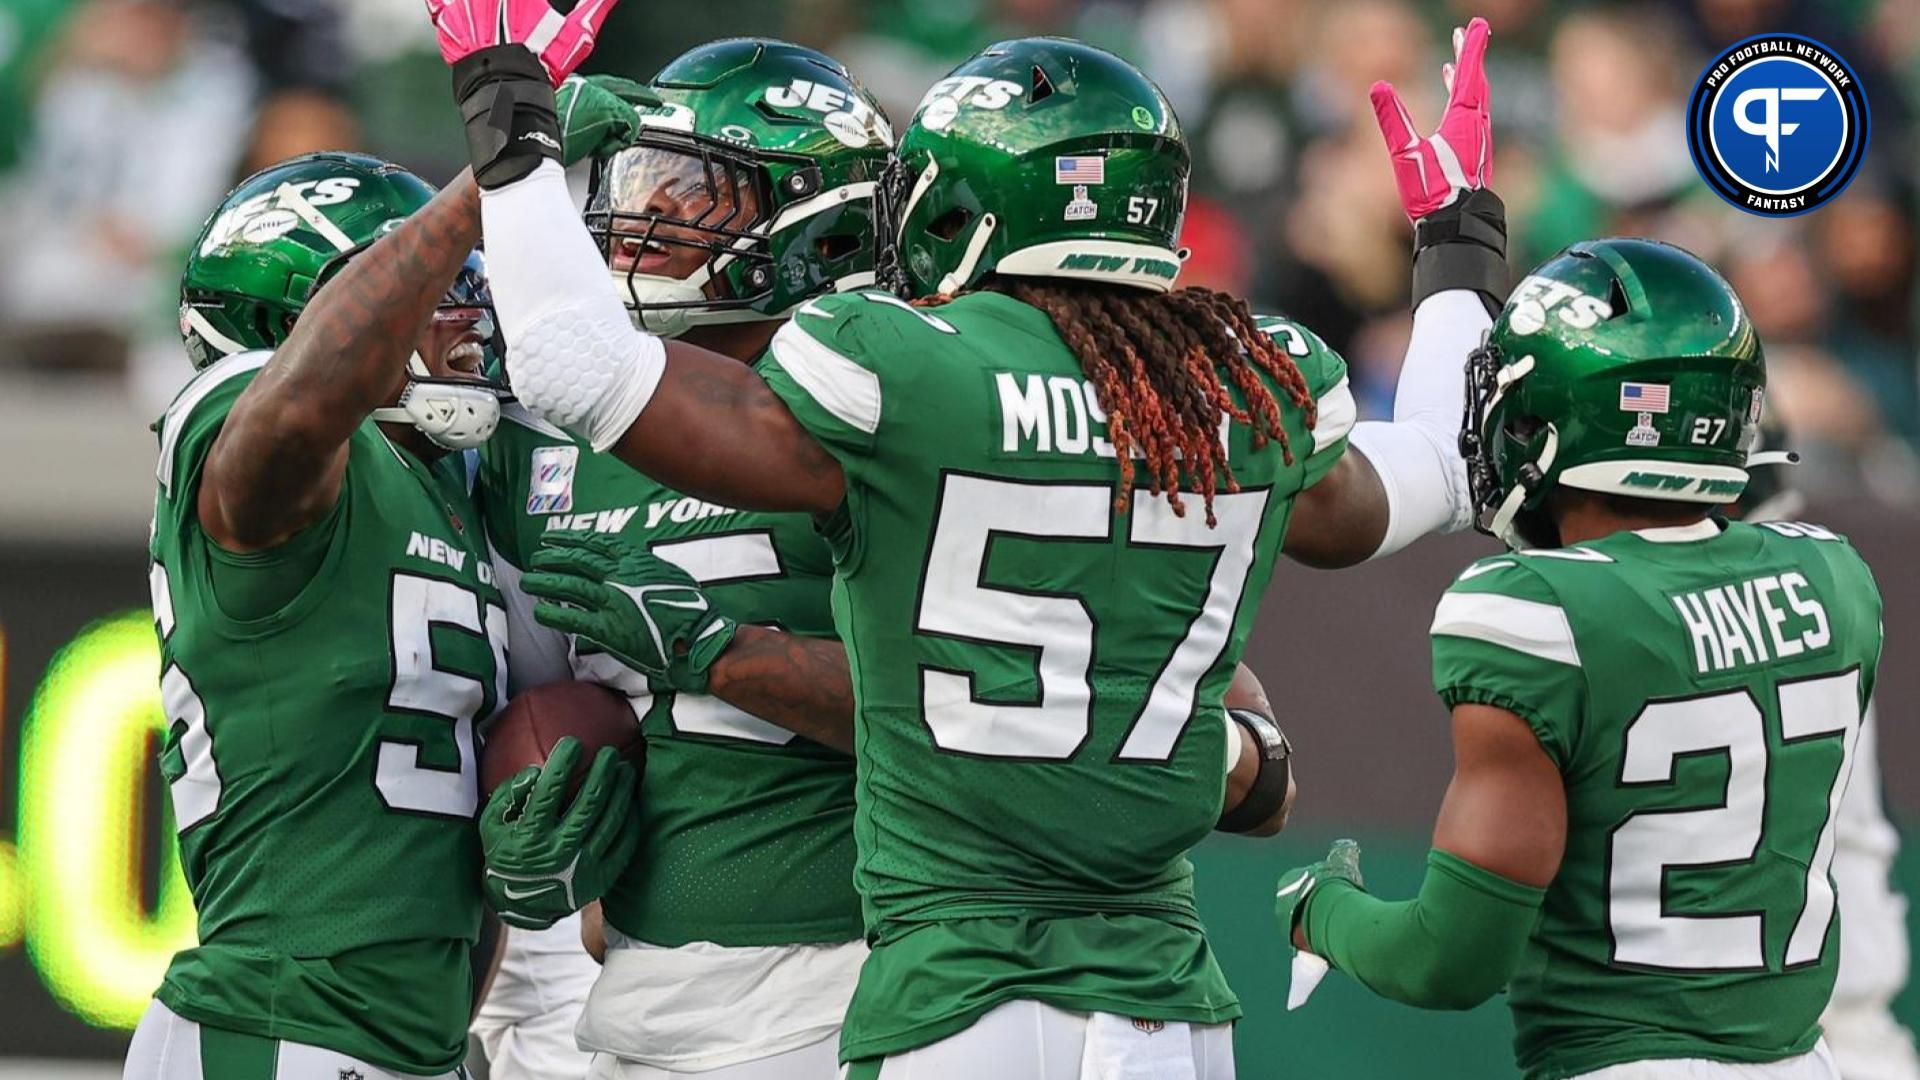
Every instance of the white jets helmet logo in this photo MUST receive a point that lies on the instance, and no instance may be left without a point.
(943, 102)
(278, 212)
(1537, 297)
(846, 117)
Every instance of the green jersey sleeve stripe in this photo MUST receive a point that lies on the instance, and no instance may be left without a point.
(1525, 626)
(839, 385)
(175, 421)
(1336, 414)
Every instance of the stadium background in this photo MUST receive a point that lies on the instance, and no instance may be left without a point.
(122, 122)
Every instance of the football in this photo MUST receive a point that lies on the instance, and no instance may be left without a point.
(526, 730)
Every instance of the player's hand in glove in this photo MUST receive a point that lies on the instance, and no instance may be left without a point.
(546, 859)
(558, 43)
(507, 56)
(597, 115)
(1459, 225)
(643, 610)
(1342, 864)
(1432, 171)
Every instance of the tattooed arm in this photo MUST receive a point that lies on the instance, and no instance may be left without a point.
(278, 462)
(799, 683)
(714, 429)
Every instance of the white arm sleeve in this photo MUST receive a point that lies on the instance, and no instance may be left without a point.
(573, 355)
(1417, 455)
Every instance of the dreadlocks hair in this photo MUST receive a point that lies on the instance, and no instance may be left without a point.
(1160, 364)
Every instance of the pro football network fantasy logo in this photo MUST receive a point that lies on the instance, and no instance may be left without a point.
(1778, 124)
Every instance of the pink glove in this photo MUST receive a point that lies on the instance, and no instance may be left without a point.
(560, 41)
(1433, 171)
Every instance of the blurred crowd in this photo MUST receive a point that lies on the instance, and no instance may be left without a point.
(123, 121)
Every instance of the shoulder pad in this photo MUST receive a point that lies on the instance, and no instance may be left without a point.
(854, 322)
(1319, 362)
(1501, 601)
(210, 392)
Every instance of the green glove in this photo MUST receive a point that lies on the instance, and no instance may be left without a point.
(544, 864)
(641, 609)
(1341, 864)
(598, 115)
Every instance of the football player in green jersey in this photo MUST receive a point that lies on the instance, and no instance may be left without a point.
(1867, 1041)
(1655, 710)
(322, 773)
(331, 632)
(1031, 632)
(735, 932)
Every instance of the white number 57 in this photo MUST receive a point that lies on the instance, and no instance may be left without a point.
(1141, 208)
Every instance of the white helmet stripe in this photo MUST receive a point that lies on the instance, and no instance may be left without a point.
(318, 221)
(824, 201)
(215, 338)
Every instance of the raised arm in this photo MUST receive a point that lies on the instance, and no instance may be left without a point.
(277, 464)
(1407, 477)
(713, 429)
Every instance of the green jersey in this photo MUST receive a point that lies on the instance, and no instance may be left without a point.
(321, 698)
(748, 828)
(1701, 691)
(1038, 673)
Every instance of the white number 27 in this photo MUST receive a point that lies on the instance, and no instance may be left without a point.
(1649, 844)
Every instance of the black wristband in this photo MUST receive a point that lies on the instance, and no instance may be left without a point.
(506, 101)
(1463, 245)
(1269, 791)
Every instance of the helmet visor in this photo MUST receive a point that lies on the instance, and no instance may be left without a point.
(667, 210)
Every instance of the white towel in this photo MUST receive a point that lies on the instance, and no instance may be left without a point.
(1120, 1048)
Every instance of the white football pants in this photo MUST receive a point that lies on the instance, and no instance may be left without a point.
(817, 1061)
(168, 1046)
(1030, 1040)
(1815, 1064)
(526, 1023)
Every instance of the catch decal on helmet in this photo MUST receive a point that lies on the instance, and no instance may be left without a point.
(1625, 367)
(1041, 157)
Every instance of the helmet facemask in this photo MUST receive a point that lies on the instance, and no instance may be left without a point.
(673, 197)
(890, 196)
(457, 412)
(1509, 456)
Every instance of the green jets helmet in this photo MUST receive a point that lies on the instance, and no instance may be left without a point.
(1620, 366)
(761, 160)
(1043, 157)
(283, 233)
(272, 240)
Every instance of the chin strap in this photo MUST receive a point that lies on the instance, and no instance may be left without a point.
(976, 245)
(1530, 479)
(457, 414)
